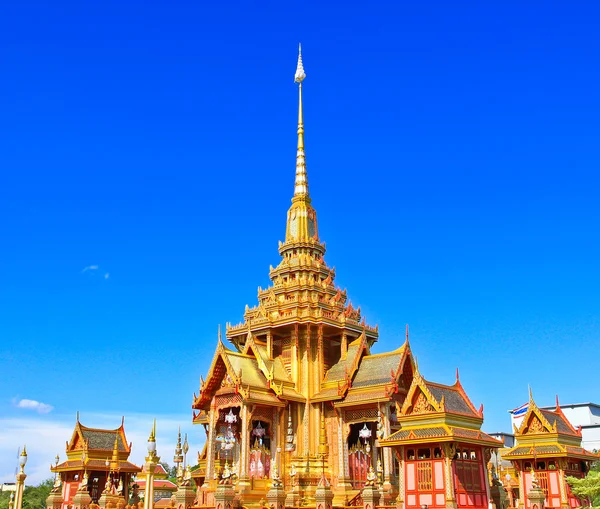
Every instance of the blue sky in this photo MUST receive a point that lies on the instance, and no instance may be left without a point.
(453, 160)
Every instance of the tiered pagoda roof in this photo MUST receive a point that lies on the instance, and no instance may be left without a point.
(547, 433)
(434, 412)
(99, 446)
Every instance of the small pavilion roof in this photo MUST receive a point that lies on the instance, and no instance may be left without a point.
(426, 397)
(547, 433)
(98, 441)
(163, 484)
(438, 433)
(93, 465)
(549, 451)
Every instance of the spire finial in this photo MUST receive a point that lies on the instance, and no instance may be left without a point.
(152, 437)
(300, 75)
(301, 184)
(219, 333)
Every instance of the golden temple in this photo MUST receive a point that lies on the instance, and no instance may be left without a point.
(299, 411)
(300, 395)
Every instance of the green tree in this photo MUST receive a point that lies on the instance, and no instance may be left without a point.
(34, 497)
(171, 471)
(587, 488)
(4, 499)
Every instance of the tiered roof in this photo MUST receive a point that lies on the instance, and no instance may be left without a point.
(248, 373)
(547, 433)
(99, 446)
(360, 377)
(434, 412)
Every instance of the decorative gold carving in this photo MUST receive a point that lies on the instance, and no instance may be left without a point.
(421, 405)
(449, 450)
(487, 455)
(535, 425)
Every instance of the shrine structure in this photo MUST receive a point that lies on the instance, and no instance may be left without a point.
(97, 463)
(548, 449)
(441, 450)
(298, 403)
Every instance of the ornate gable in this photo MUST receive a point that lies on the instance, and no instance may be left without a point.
(535, 421)
(419, 399)
(221, 372)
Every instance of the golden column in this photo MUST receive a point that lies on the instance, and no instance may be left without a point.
(151, 461)
(21, 476)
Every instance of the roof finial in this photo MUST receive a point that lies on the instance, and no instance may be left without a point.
(301, 184)
(219, 333)
(557, 403)
(152, 437)
(300, 75)
(530, 393)
(407, 333)
(457, 375)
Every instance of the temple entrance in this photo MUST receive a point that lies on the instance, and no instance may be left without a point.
(260, 452)
(228, 437)
(360, 452)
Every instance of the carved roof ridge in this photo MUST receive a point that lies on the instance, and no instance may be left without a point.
(558, 411)
(463, 393)
(363, 349)
(239, 354)
(386, 354)
(87, 428)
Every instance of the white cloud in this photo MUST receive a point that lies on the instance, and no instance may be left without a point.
(45, 436)
(32, 404)
(93, 270)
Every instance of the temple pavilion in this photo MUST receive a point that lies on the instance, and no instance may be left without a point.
(548, 449)
(98, 459)
(297, 394)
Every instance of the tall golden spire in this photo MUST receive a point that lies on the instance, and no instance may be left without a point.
(302, 218)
